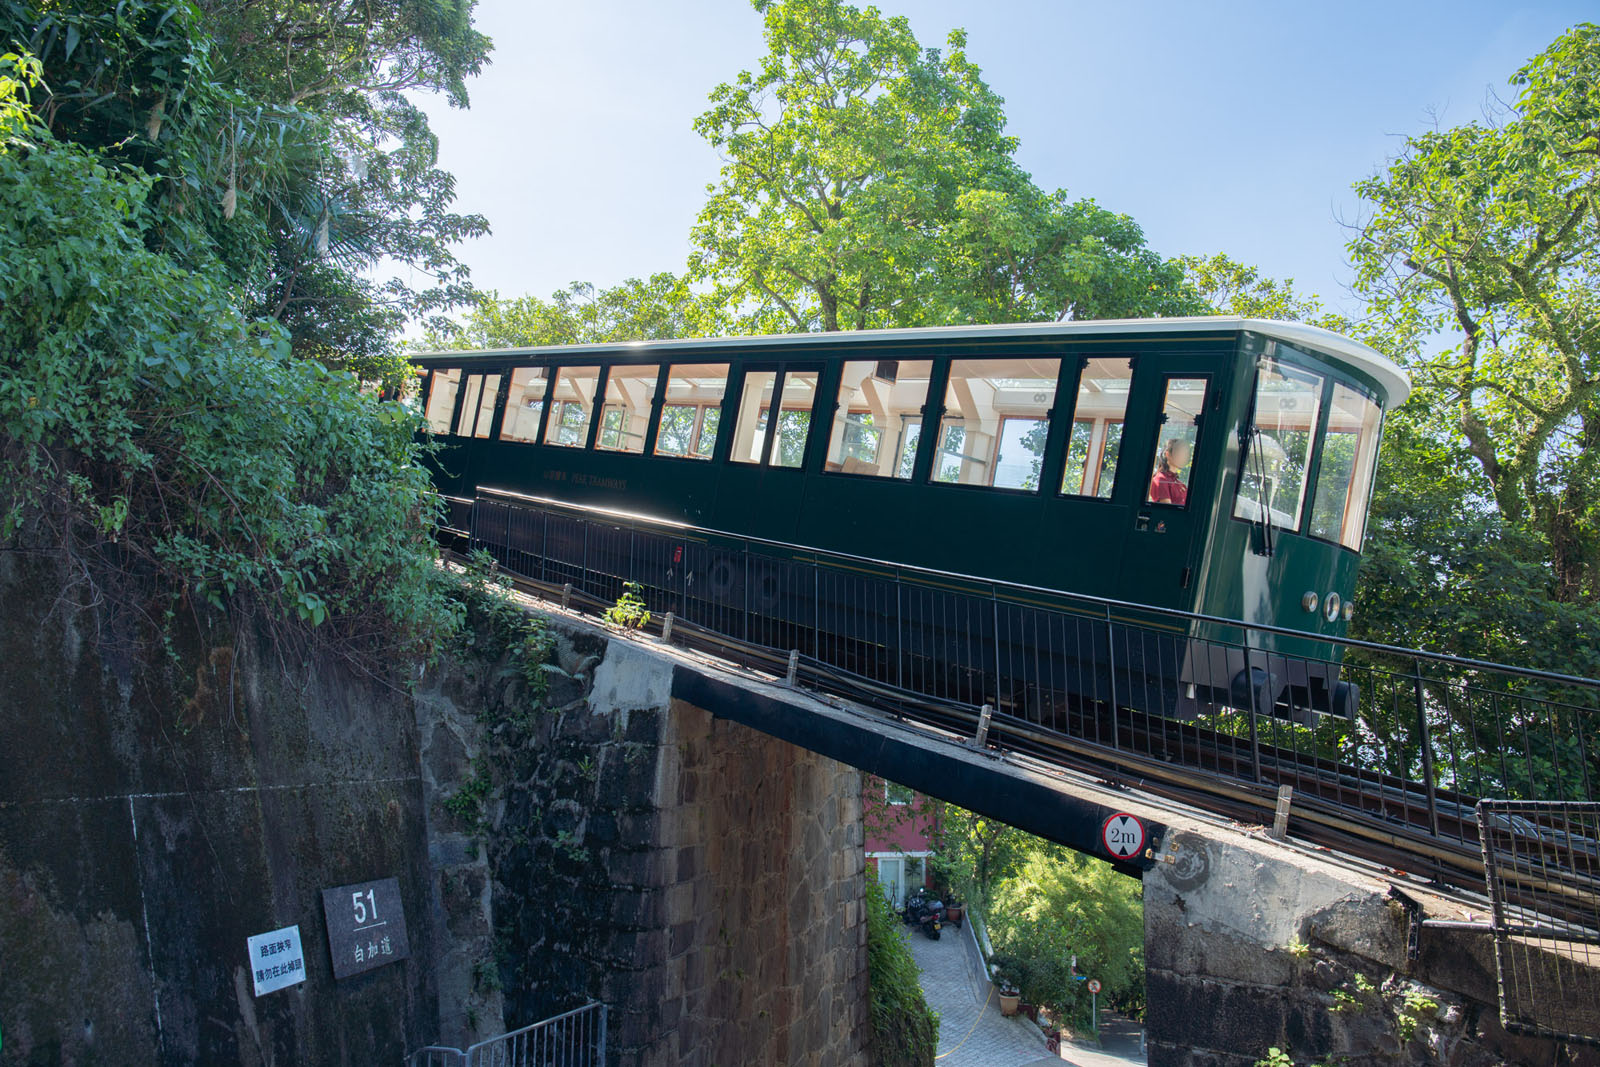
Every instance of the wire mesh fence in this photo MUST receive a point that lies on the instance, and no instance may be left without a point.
(1542, 866)
(573, 1039)
(1385, 747)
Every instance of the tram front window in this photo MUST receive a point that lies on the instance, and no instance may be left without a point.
(1272, 481)
(1349, 456)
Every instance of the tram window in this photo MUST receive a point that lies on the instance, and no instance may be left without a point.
(477, 409)
(692, 410)
(879, 417)
(750, 432)
(630, 392)
(996, 418)
(1272, 481)
(525, 404)
(1097, 418)
(1349, 456)
(1170, 469)
(572, 406)
(442, 398)
(794, 418)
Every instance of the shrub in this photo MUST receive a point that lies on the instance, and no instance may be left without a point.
(904, 1032)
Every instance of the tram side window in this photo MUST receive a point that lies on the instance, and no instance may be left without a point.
(524, 404)
(692, 410)
(572, 406)
(1272, 482)
(477, 409)
(1170, 469)
(442, 388)
(750, 432)
(1349, 456)
(1097, 420)
(996, 419)
(879, 417)
(630, 391)
(794, 418)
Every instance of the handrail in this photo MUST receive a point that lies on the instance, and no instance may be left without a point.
(1461, 662)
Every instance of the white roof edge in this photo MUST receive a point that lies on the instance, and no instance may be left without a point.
(1389, 375)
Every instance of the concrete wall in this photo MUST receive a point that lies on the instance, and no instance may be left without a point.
(156, 812)
(1251, 944)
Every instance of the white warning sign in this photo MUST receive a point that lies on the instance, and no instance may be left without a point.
(1123, 835)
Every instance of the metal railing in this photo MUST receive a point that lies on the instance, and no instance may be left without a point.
(1387, 749)
(573, 1039)
(1547, 967)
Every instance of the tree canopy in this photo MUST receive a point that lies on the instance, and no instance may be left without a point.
(1481, 260)
(286, 152)
(868, 181)
(654, 308)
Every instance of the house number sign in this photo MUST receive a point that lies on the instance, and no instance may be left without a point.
(366, 926)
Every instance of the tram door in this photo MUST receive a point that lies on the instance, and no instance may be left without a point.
(1168, 452)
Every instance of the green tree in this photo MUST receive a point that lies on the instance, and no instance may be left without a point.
(286, 152)
(978, 851)
(1229, 287)
(868, 182)
(1059, 905)
(1481, 260)
(650, 309)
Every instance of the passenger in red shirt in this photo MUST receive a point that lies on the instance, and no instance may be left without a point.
(1167, 486)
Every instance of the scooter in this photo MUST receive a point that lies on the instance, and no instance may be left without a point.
(925, 911)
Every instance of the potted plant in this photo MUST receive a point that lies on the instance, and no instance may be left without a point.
(1004, 975)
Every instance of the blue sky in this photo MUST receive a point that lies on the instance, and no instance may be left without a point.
(1235, 127)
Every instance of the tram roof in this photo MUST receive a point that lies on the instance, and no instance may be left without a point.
(1389, 375)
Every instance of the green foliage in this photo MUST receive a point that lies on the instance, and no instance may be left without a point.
(868, 181)
(1233, 288)
(1060, 904)
(1481, 264)
(19, 74)
(656, 308)
(904, 1032)
(495, 627)
(977, 852)
(1275, 1057)
(466, 803)
(288, 161)
(149, 427)
(629, 612)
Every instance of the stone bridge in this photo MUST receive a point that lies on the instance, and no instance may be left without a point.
(731, 844)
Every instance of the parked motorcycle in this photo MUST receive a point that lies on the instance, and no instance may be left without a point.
(925, 910)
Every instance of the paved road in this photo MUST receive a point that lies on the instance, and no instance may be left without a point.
(974, 1034)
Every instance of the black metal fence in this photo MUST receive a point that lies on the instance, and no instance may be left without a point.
(1547, 958)
(1387, 749)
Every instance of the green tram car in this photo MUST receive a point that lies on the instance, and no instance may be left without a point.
(1220, 466)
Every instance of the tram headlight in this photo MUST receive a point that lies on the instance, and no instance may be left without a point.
(1309, 602)
(1330, 607)
(1349, 610)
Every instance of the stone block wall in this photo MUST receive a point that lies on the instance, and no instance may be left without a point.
(704, 880)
